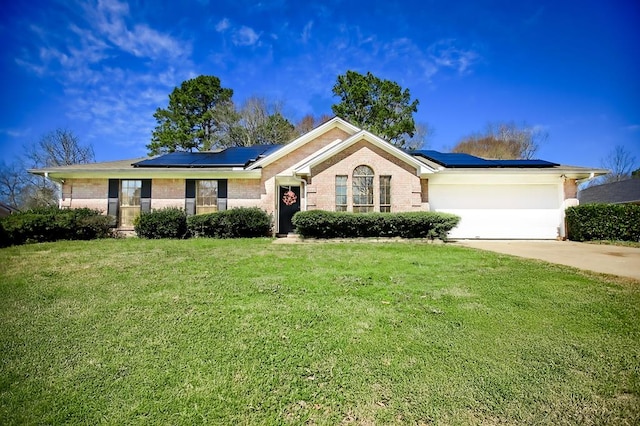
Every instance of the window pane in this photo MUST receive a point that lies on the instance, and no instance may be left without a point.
(362, 189)
(129, 202)
(385, 193)
(363, 171)
(341, 193)
(130, 192)
(206, 196)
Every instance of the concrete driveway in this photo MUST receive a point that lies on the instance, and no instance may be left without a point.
(607, 259)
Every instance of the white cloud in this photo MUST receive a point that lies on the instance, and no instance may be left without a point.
(223, 25)
(445, 54)
(115, 99)
(306, 32)
(16, 133)
(245, 36)
(27, 64)
(141, 40)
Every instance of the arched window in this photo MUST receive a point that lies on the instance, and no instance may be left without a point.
(362, 189)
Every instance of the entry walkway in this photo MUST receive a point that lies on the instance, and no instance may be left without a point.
(606, 259)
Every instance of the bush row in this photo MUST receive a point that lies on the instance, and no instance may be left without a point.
(604, 222)
(244, 222)
(170, 222)
(53, 224)
(324, 224)
(174, 223)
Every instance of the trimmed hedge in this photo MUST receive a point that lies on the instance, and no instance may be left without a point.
(53, 224)
(243, 222)
(611, 222)
(325, 224)
(170, 222)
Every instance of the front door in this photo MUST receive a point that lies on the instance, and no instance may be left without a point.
(288, 205)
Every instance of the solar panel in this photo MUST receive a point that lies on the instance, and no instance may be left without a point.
(461, 160)
(524, 163)
(229, 157)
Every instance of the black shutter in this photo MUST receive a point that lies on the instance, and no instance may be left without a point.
(112, 204)
(222, 194)
(145, 196)
(190, 196)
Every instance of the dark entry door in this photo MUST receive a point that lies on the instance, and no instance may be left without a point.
(289, 204)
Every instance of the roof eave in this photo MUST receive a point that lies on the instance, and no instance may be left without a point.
(150, 173)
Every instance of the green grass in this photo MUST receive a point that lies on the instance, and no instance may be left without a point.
(248, 332)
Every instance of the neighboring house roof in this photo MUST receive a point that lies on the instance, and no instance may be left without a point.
(624, 191)
(6, 209)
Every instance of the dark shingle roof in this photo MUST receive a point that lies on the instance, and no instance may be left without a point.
(624, 191)
(454, 160)
(229, 157)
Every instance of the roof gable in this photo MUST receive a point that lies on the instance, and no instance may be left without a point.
(304, 167)
(335, 122)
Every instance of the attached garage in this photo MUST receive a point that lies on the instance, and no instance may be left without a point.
(501, 211)
(502, 199)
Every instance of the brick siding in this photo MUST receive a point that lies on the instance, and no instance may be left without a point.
(244, 193)
(167, 193)
(90, 193)
(406, 193)
(570, 189)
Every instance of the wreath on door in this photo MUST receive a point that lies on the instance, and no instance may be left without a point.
(289, 198)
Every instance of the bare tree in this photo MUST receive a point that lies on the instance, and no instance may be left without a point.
(13, 181)
(256, 122)
(309, 122)
(306, 124)
(504, 141)
(421, 137)
(621, 164)
(59, 148)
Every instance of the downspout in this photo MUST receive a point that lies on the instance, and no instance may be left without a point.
(303, 183)
(58, 185)
(562, 232)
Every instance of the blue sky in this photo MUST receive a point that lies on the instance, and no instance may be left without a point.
(100, 69)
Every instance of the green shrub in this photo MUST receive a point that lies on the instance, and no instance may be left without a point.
(244, 222)
(53, 224)
(170, 222)
(619, 222)
(324, 224)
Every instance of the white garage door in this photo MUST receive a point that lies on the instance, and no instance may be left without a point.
(500, 211)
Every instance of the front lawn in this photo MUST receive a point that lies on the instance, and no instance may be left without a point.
(248, 332)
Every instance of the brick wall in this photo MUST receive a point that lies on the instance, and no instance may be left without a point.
(244, 193)
(570, 189)
(90, 193)
(167, 193)
(406, 193)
